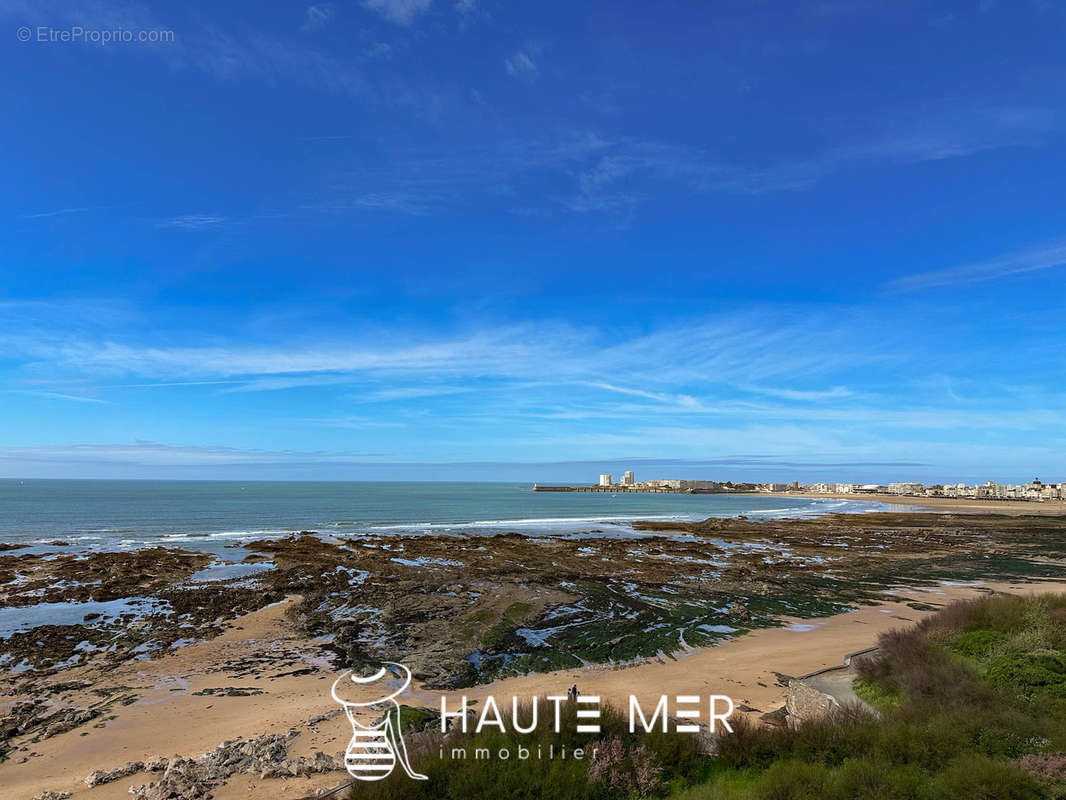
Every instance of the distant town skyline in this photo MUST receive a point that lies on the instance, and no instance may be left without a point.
(1034, 490)
(491, 241)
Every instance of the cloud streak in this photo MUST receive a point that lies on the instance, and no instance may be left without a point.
(60, 396)
(745, 349)
(317, 16)
(402, 12)
(1020, 263)
(148, 453)
(522, 66)
(193, 222)
(777, 380)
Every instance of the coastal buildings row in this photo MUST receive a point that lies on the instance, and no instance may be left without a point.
(1036, 490)
(629, 483)
(607, 480)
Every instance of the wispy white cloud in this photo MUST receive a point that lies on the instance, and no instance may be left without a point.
(378, 51)
(317, 16)
(276, 383)
(228, 58)
(219, 53)
(1019, 263)
(170, 384)
(193, 222)
(522, 66)
(353, 422)
(609, 182)
(679, 400)
(495, 352)
(832, 393)
(614, 180)
(60, 396)
(402, 12)
(951, 129)
(425, 182)
(58, 212)
(148, 453)
(774, 381)
(694, 412)
(780, 367)
(746, 349)
(410, 393)
(400, 202)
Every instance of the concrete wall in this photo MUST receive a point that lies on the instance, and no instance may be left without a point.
(820, 693)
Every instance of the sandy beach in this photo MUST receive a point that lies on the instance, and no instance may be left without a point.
(962, 505)
(260, 652)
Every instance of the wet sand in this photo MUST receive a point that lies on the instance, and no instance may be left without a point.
(168, 718)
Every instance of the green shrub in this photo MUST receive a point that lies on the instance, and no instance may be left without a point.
(927, 741)
(751, 745)
(1008, 733)
(824, 741)
(977, 777)
(979, 643)
(1031, 673)
(925, 673)
(1004, 613)
(870, 779)
(724, 785)
(793, 780)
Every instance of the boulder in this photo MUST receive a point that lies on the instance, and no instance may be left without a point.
(99, 776)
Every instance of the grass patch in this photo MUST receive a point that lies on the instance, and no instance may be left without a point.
(877, 695)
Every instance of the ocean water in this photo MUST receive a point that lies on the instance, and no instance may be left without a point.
(212, 515)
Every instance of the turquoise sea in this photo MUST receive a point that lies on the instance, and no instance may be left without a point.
(93, 514)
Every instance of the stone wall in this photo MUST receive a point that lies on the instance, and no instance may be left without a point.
(820, 693)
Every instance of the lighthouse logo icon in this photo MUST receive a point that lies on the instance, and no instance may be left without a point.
(375, 749)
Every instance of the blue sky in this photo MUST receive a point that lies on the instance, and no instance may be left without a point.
(479, 240)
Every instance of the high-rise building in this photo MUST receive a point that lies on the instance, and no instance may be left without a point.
(627, 478)
(606, 479)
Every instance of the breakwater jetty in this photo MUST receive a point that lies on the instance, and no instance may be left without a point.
(537, 487)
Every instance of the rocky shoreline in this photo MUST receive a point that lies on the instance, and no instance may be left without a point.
(462, 611)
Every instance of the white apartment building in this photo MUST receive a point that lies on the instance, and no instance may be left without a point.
(696, 484)
(606, 479)
(627, 478)
(905, 488)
